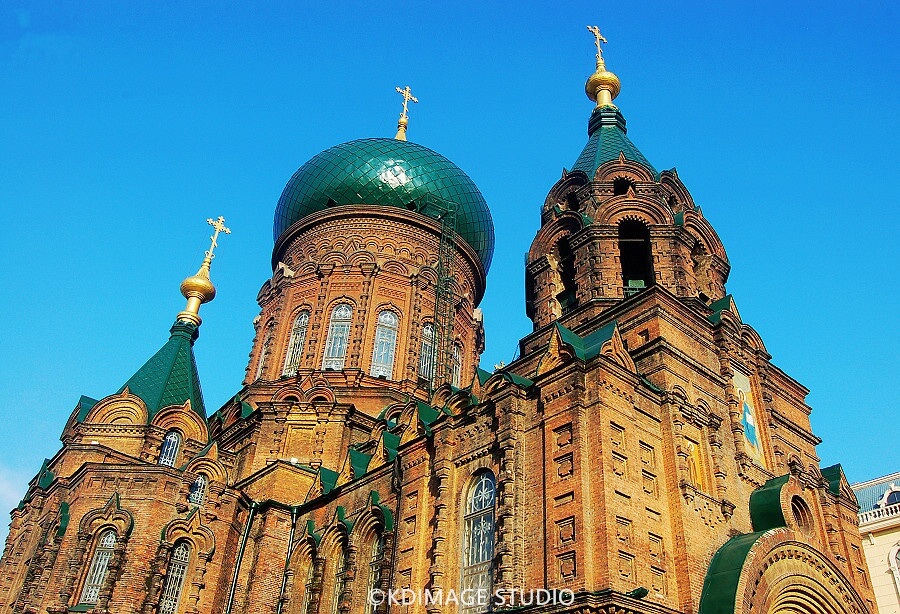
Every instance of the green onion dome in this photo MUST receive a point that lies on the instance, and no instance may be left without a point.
(389, 173)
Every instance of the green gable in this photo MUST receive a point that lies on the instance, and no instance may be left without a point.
(587, 347)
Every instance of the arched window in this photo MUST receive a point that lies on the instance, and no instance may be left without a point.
(99, 567)
(340, 577)
(307, 586)
(175, 576)
(168, 451)
(197, 493)
(426, 352)
(295, 345)
(636, 256)
(564, 267)
(893, 498)
(385, 343)
(456, 366)
(478, 541)
(263, 356)
(338, 334)
(376, 561)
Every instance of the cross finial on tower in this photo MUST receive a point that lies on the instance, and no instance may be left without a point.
(219, 226)
(598, 38)
(198, 288)
(404, 117)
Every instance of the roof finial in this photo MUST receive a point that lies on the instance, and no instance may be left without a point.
(404, 116)
(602, 86)
(198, 289)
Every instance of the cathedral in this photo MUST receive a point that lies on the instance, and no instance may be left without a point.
(642, 455)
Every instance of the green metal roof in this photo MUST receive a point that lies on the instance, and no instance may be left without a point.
(359, 462)
(587, 347)
(765, 505)
(721, 582)
(392, 173)
(833, 476)
(606, 139)
(170, 376)
(85, 405)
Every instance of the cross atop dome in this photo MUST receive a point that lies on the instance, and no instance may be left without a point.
(403, 122)
(602, 86)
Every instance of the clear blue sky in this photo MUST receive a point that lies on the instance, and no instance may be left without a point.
(124, 125)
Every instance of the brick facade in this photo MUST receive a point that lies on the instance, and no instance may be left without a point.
(626, 444)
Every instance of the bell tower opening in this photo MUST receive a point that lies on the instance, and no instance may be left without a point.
(565, 268)
(636, 256)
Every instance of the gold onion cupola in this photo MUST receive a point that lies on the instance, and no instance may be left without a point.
(606, 127)
(603, 86)
(170, 376)
(198, 288)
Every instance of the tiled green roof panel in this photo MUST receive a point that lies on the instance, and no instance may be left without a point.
(392, 173)
(85, 405)
(607, 139)
(170, 376)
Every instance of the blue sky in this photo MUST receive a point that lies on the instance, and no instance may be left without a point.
(125, 125)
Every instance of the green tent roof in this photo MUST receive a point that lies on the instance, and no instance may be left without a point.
(606, 140)
(170, 376)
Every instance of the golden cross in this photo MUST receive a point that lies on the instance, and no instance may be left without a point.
(598, 38)
(407, 96)
(219, 225)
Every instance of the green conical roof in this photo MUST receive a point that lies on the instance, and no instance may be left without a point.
(389, 173)
(170, 376)
(606, 132)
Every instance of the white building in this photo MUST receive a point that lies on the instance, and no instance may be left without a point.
(879, 526)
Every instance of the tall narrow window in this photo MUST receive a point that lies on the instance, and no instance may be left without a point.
(385, 344)
(178, 564)
(340, 575)
(168, 451)
(567, 289)
(197, 493)
(478, 542)
(456, 366)
(338, 334)
(636, 256)
(375, 563)
(263, 356)
(295, 345)
(99, 567)
(426, 353)
(307, 586)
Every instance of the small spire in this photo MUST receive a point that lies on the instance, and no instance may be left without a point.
(198, 289)
(403, 122)
(602, 86)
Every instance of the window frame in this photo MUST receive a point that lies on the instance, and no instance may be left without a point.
(384, 345)
(203, 489)
(100, 560)
(338, 338)
(167, 458)
(427, 351)
(171, 603)
(297, 341)
(478, 574)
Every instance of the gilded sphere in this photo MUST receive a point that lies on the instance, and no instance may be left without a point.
(602, 80)
(200, 287)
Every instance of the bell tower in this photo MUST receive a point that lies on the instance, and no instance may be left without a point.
(613, 226)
